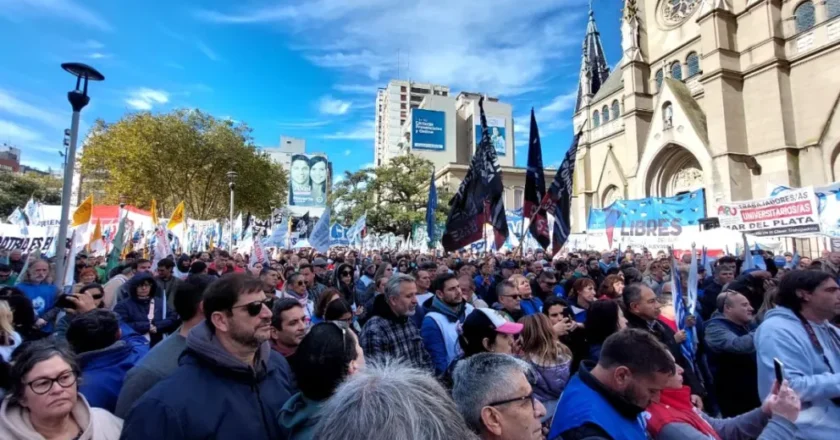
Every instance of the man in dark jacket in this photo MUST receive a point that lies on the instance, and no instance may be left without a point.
(708, 302)
(103, 357)
(729, 337)
(542, 286)
(643, 310)
(390, 333)
(230, 384)
(167, 281)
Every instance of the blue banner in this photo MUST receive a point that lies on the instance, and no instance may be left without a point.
(338, 235)
(428, 130)
(653, 222)
(496, 129)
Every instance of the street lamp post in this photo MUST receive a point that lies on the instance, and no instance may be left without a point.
(231, 176)
(78, 100)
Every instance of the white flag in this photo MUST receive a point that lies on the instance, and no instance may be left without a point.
(320, 237)
(33, 212)
(357, 228)
(279, 235)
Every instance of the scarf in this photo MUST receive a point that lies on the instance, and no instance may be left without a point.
(675, 406)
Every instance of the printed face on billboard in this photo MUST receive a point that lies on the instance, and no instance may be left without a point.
(308, 181)
(496, 129)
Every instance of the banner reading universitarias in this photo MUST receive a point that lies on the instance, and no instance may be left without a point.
(828, 205)
(792, 213)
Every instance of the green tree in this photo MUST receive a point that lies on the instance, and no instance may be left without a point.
(394, 195)
(182, 155)
(16, 189)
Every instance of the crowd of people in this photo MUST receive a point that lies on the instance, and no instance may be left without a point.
(408, 345)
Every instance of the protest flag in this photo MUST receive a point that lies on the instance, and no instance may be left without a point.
(535, 187)
(431, 207)
(479, 199)
(320, 237)
(558, 201)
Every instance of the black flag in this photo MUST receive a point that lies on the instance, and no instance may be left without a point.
(479, 200)
(558, 200)
(303, 227)
(535, 185)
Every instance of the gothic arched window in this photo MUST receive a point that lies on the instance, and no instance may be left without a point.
(596, 119)
(605, 114)
(616, 110)
(804, 16)
(832, 8)
(676, 71)
(659, 77)
(693, 63)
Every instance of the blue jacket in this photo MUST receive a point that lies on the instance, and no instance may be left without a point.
(433, 337)
(586, 402)
(213, 394)
(135, 311)
(103, 372)
(299, 417)
(783, 336)
(531, 306)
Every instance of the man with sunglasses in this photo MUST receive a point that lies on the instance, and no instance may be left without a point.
(510, 301)
(495, 397)
(542, 286)
(230, 384)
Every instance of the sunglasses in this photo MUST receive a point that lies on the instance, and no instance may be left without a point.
(300, 283)
(254, 308)
(514, 297)
(341, 327)
(346, 274)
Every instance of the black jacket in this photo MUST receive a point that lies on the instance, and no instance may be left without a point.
(732, 358)
(665, 335)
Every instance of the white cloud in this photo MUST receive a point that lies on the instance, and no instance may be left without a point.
(502, 48)
(145, 99)
(363, 132)
(348, 152)
(207, 51)
(360, 89)
(66, 10)
(17, 134)
(99, 56)
(329, 106)
(92, 45)
(12, 105)
(553, 116)
(561, 103)
(302, 124)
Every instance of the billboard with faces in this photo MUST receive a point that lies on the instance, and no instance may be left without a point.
(309, 179)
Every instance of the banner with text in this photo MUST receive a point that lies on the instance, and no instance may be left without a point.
(654, 222)
(828, 205)
(792, 213)
(428, 130)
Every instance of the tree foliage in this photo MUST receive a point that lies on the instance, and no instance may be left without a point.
(16, 189)
(394, 196)
(182, 155)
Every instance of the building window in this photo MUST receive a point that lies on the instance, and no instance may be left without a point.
(402, 88)
(596, 119)
(693, 63)
(605, 114)
(804, 16)
(616, 109)
(403, 106)
(659, 76)
(676, 71)
(445, 93)
(832, 8)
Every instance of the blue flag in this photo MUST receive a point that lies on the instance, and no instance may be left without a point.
(681, 312)
(319, 239)
(431, 207)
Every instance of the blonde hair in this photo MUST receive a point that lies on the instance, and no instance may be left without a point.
(7, 327)
(539, 342)
(516, 279)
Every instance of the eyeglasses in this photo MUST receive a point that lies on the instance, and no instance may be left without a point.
(300, 283)
(346, 274)
(514, 297)
(254, 308)
(98, 296)
(44, 385)
(518, 399)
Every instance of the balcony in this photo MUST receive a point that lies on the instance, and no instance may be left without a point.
(608, 129)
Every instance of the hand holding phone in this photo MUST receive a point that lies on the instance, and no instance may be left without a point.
(780, 371)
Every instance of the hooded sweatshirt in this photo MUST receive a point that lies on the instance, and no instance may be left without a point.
(214, 395)
(783, 336)
(96, 423)
(103, 372)
(299, 417)
(135, 311)
(440, 332)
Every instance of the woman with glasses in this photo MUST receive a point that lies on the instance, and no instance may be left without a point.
(342, 312)
(328, 354)
(44, 400)
(344, 282)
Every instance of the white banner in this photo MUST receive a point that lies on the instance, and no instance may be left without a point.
(828, 205)
(792, 213)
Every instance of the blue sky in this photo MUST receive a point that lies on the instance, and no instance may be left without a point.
(303, 68)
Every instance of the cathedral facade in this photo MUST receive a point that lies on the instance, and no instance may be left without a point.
(725, 95)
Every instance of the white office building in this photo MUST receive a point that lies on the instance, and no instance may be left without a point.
(393, 105)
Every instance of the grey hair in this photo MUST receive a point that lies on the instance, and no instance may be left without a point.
(32, 353)
(392, 288)
(391, 401)
(477, 382)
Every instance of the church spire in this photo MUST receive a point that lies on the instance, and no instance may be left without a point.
(594, 69)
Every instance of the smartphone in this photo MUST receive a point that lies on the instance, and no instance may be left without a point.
(64, 303)
(780, 370)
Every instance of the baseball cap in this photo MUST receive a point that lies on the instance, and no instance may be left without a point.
(319, 262)
(483, 318)
(509, 264)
